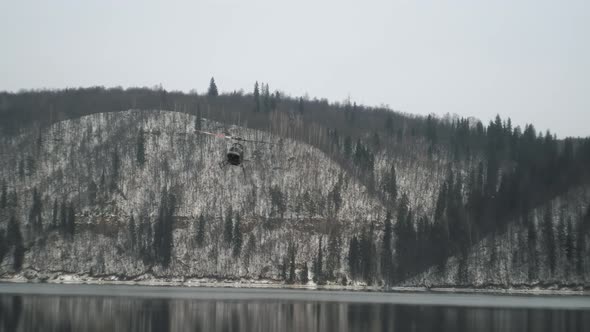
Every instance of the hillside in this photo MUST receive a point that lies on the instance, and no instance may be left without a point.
(545, 250)
(138, 194)
(284, 198)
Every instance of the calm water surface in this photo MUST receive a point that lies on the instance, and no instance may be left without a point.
(46, 307)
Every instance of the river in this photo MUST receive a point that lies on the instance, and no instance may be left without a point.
(58, 307)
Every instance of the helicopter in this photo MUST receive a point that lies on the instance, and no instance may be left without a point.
(235, 154)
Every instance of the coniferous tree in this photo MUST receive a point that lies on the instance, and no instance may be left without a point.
(92, 193)
(561, 237)
(228, 227)
(310, 205)
(21, 169)
(424, 247)
(569, 244)
(462, 269)
(212, 92)
(71, 228)
(275, 98)
(492, 178)
(198, 118)
(278, 201)
(36, 209)
(368, 254)
(404, 230)
(169, 228)
(132, 233)
(15, 239)
(63, 217)
(318, 264)
(140, 149)
(376, 141)
(201, 231)
(163, 229)
(390, 183)
(256, 97)
(163, 94)
(431, 131)
(362, 156)
(580, 246)
(400, 135)
(284, 268)
(459, 227)
(160, 228)
(386, 253)
(237, 237)
(146, 242)
(411, 243)
(301, 106)
(389, 125)
(250, 249)
(292, 251)
(336, 196)
(475, 199)
(116, 165)
(13, 199)
(548, 233)
(493, 251)
(3, 245)
(304, 274)
(532, 249)
(347, 147)
(333, 257)
(54, 214)
(441, 203)
(103, 183)
(581, 234)
(31, 165)
(440, 229)
(354, 258)
(365, 256)
(266, 96)
(3, 196)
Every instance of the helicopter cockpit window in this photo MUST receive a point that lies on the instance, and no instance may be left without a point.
(233, 157)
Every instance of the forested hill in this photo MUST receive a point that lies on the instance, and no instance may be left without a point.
(116, 183)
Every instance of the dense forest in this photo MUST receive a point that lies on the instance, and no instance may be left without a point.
(393, 197)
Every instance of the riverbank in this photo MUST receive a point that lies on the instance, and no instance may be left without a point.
(149, 280)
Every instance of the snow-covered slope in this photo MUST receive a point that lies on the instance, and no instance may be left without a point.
(62, 161)
(288, 197)
(520, 255)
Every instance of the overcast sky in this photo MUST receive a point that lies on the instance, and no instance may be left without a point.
(527, 59)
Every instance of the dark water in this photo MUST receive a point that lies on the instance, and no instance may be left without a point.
(38, 307)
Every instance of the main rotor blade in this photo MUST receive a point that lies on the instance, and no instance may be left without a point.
(250, 140)
(236, 138)
(263, 142)
(214, 134)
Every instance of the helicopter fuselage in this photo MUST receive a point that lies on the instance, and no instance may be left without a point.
(235, 154)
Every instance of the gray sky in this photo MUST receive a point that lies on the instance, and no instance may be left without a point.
(527, 59)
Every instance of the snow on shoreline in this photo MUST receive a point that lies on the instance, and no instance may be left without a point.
(273, 284)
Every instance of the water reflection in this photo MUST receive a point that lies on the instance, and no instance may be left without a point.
(87, 313)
